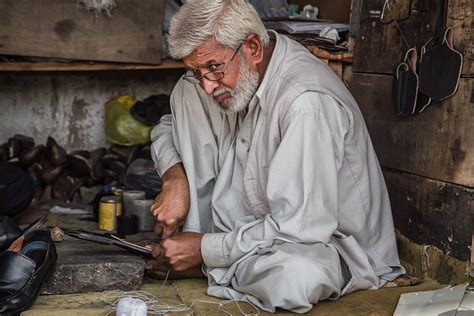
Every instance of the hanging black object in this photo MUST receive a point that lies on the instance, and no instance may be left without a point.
(405, 84)
(440, 67)
(440, 64)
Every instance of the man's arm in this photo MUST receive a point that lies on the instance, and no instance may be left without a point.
(172, 205)
(302, 184)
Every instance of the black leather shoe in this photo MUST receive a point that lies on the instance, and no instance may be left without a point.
(9, 231)
(145, 152)
(4, 152)
(23, 273)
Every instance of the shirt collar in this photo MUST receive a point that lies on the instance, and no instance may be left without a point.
(272, 67)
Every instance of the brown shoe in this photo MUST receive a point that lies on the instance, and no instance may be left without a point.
(56, 154)
(125, 154)
(51, 173)
(32, 155)
(79, 165)
(108, 159)
(35, 171)
(65, 187)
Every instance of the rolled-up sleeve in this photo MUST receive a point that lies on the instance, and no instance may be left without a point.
(163, 150)
(302, 184)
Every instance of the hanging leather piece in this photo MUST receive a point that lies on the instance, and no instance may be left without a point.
(440, 67)
(405, 84)
(422, 100)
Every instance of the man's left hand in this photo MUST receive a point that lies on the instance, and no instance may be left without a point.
(182, 251)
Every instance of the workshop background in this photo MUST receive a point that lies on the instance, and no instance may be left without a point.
(62, 62)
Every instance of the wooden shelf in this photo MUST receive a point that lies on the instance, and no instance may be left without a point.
(84, 66)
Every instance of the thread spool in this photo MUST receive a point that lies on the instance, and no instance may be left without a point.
(141, 208)
(129, 306)
(129, 196)
(127, 225)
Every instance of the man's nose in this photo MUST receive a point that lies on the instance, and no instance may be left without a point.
(208, 85)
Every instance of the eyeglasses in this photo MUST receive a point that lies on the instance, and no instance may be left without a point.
(195, 78)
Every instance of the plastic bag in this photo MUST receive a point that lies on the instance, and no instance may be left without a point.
(121, 127)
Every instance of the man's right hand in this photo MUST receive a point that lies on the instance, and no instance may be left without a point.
(171, 206)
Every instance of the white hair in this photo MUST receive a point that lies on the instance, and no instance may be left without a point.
(227, 21)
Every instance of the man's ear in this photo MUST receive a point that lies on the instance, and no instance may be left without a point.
(253, 50)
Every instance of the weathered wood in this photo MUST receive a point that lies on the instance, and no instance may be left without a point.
(379, 46)
(438, 143)
(66, 29)
(432, 212)
(51, 66)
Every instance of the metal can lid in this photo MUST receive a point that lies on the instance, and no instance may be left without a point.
(110, 199)
(117, 191)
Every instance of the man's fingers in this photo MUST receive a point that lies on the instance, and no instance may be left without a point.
(157, 251)
(168, 231)
(158, 228)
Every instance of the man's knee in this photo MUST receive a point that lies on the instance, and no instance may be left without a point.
(292, 276)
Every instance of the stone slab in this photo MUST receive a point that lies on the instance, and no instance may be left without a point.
(84, 266)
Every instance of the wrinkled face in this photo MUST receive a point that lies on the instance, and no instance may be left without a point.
(238, 85)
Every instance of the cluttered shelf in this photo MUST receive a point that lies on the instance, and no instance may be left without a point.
(57, 66)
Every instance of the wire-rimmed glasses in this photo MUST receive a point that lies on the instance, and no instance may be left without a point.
(195, 78)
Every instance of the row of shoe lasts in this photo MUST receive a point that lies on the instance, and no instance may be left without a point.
(27, 259)
(59, 175)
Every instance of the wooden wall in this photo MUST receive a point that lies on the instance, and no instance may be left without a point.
(428, 158)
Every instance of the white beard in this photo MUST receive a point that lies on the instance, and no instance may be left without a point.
(245, 87)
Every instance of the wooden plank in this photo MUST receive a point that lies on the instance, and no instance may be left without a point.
(81, 66)
(66, 29)
(432, 212)
(379, 46)
(437, 143)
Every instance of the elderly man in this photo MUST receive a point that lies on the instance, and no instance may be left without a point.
(270, 181)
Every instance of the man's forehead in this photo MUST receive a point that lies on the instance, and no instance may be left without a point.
(204, 54)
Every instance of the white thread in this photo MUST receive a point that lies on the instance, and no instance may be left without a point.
(112, 298)
(129, 306)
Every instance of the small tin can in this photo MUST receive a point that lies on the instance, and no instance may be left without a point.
(117, 191)
(109, 208)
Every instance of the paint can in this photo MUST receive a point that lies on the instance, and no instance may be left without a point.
(109, 208)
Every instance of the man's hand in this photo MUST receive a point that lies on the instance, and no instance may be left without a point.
(172, 205)
(182, 251)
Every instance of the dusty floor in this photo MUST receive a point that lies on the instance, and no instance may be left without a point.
(378, 302)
